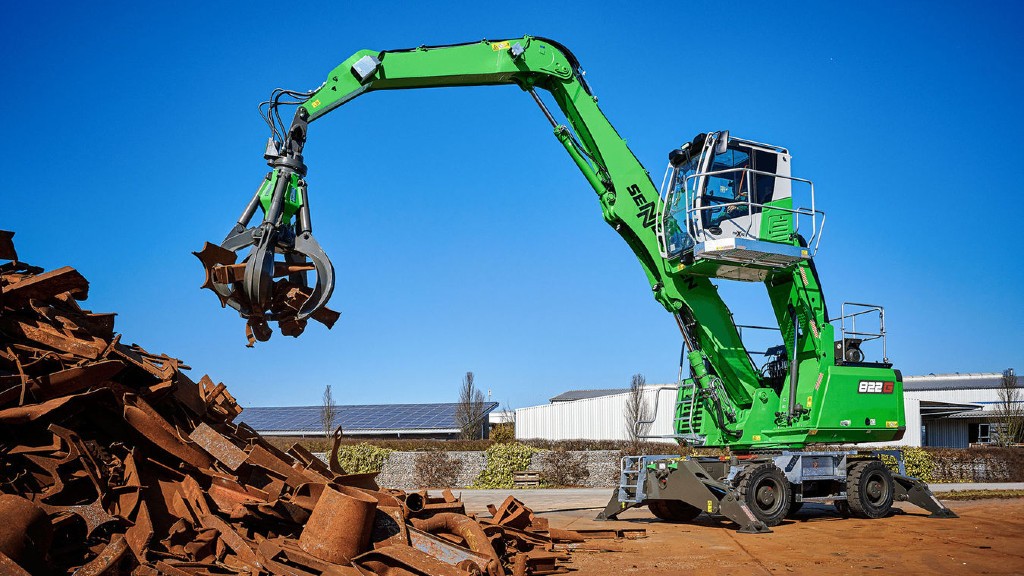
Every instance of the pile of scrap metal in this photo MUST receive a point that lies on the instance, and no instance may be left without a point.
(113, 461)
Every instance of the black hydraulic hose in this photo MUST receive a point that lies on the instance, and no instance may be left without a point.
(720, 416)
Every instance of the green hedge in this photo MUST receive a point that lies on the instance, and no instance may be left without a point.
(362, 458)
(502, 461)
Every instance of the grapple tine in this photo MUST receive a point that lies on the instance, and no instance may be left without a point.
(258, 283)
(307, 245)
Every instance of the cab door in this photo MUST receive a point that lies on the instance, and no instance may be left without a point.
(733, 189)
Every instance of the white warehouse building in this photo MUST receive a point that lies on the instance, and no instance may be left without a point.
(942, 410)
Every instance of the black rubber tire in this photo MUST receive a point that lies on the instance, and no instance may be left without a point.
(673, 510)
(869, 489)
(794, 507)
(765, 489)
(842, 508)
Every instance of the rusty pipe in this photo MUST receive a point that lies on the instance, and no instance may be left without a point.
(466, 528)
(340, 525)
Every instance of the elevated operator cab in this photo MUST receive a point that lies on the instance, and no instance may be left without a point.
(729, 209)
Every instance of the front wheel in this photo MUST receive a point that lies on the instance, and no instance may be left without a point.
(765, 489)
(869, 489)
(673, 510)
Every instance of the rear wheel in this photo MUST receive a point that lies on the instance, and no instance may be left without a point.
(794, 507)
(869, 489)
(673, 510)
(765, 489)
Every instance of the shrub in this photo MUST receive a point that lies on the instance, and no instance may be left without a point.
(503, 433)
(436, 469)
(919, 464)
(502, 461)
(990, 464)
(362, 458)
(563, 468)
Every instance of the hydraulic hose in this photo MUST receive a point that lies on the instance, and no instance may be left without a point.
(703, 379)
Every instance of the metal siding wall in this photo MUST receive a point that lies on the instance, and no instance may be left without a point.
(592, 418)
(947, 433)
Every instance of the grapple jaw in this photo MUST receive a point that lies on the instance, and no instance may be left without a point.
(270, 283)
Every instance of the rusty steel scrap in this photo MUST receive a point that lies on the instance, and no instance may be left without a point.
(114, 461)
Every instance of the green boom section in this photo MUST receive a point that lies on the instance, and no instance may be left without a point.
(628, 199)
(630, 203)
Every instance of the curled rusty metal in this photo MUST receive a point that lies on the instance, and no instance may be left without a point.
(25, 532)
(465, 528)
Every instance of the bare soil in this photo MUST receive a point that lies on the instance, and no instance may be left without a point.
(986, 539)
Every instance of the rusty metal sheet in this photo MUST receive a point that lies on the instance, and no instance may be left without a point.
(446, 551)
(111, 561)
(389, 527)
(263, 458)
(48, 336)
(220, 404)
(46, 285)
(231, 273)
(228, 494)
(9, 567)
(514, 514)
(232, 539)
(312, 465)
(33, 412)
(7, 251)
(405, 561)
(141, 416)
(75, 379)
(140, 534)
(218, 446)
(25, 532)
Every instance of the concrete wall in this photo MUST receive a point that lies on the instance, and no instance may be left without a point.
(400, 469)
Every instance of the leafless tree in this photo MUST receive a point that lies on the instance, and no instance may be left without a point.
(1010, 410)
(470, 410)
(327, 412)
(637, 409)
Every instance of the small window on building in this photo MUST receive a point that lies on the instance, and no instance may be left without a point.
(984, 433)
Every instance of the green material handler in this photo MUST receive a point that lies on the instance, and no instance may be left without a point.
(728, 209)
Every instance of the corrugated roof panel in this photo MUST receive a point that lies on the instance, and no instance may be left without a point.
(396, 417)
(978, 381)
(584, 394)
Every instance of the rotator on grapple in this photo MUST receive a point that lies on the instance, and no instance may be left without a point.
(249, 286)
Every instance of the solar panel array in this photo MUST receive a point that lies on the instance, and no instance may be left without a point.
(364, 417)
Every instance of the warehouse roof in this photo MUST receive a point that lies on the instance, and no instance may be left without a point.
(957, 381)
(357, 420)
(584, 394)
(976, 380)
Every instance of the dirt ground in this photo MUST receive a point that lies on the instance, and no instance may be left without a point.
(988, 538)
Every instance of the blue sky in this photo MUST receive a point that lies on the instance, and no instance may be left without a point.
(463, 237)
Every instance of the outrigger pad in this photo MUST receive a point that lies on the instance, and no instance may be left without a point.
(917, 493)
